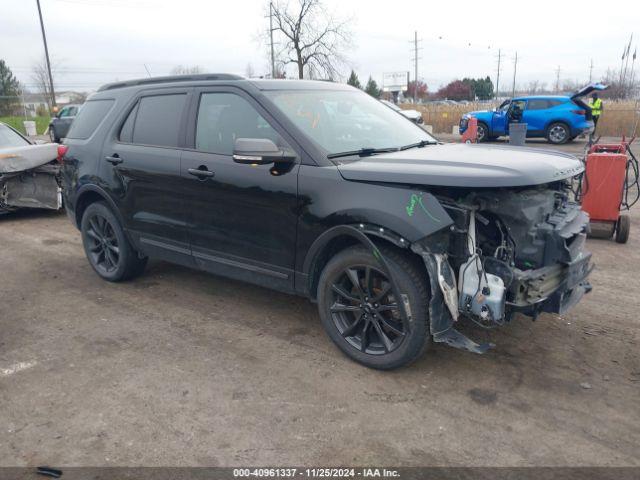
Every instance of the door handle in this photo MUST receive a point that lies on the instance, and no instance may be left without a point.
(114, 159)
(202, 174)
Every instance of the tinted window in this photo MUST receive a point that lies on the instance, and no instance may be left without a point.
(9, 138)
(555, 103)
(92, 113)
(223, 117)
(126, 132)
(538, 104)
(158, 120)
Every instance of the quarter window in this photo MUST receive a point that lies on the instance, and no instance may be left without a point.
(224, 117)
(89, 117)
(158, 119)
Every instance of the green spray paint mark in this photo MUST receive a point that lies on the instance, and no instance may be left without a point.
(414, 200)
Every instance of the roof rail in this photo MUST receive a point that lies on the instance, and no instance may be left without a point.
(170, 79)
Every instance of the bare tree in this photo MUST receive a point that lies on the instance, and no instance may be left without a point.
(314, 40)
(40, 77)
(249, 72)
(182, 70)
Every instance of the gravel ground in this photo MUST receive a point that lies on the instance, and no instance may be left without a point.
(183, 368)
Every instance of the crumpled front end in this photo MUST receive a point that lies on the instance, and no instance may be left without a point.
(509, 251)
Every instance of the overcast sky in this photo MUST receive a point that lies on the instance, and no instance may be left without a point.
(97, 41)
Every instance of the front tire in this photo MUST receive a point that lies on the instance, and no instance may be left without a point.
(107, 248)
(483, 132)
(558, 133)
(360, 314)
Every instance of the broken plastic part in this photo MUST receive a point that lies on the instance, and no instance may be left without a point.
(447, 282)
(455, 339)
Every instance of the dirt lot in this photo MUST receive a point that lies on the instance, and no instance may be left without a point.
(183, 368)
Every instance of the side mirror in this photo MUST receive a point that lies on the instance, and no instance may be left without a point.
(259, 151)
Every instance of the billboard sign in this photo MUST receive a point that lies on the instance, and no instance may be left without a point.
(394, 81)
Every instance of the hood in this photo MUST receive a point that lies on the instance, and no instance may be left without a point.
(476, 112)
(465, 165)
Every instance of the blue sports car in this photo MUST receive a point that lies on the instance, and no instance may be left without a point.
(557, 118)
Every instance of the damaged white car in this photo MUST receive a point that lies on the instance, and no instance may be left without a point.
(29, 173)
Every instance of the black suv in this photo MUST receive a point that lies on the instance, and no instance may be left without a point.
(317, 189)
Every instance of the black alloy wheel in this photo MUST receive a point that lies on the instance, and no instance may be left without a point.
(103, 245)
(361, 314)
(365, 311)
(107, 247)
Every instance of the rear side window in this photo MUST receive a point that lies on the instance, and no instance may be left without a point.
(157, 121)
(538, 104)
(555, 103)
(89, 117)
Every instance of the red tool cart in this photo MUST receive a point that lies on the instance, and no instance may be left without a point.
(611, 171)
(470, 135)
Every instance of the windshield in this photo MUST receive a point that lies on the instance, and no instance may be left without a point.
(9, 138)
(345, 120)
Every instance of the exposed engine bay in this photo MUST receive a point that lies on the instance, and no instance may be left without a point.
(508, 250)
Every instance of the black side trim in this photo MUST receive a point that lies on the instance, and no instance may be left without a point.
(242, 265)
(167, 246)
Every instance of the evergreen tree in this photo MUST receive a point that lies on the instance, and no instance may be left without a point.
(354, 81)
(372, 88)
(9, 89)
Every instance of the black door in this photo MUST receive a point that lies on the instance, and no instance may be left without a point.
(242, 218)
(142, 165)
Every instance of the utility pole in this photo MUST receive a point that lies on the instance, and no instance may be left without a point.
(591, 71)
(415, 61)
(273, 58)
(515, 68)
(46, 54)
(498, 75)
(557, 89)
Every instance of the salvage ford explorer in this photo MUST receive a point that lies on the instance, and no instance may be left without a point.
(317, 189)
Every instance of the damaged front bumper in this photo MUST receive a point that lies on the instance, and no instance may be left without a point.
(490, 288)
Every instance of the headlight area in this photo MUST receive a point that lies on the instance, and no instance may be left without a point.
(509, 251)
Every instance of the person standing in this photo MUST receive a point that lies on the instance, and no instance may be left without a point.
(596, 109)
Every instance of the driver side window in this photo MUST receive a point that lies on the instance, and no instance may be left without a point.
(225, 117)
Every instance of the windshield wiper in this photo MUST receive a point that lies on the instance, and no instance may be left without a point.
(363, 152)
(420, 144)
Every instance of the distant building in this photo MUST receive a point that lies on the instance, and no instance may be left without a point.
(35, 104)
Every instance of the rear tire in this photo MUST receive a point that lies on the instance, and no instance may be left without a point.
(52, 135)
(360, 319)
(558, 133)
(623, 226)
(107, 248)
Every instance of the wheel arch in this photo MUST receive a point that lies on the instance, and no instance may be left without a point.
(340, 237)
(88, 194)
